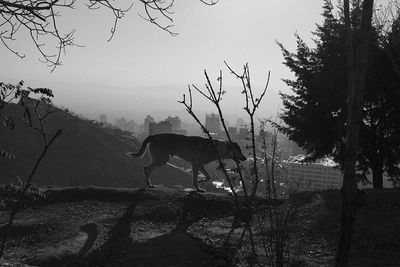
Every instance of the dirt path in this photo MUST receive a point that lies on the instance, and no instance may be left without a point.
(151, 229)
(165, 227)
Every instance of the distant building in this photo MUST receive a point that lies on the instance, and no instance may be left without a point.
(149, 119)
(232, 132)
(213, 123)
(121, 123)
(240, 123)
(191, 128)
(243, 133)
(176, 122)
(161, 127)
(131, 126)
(312, 176)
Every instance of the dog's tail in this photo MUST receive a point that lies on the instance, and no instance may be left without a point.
(142, 149)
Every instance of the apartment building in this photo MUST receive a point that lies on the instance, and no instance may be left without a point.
(213, 123)
(322, 175)
(161, 127)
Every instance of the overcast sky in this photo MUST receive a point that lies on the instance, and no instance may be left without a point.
(144, 70)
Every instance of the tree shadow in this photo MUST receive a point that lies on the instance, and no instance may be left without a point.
(240, 232)
(192, 211)
(92, 232)
(175, 248)
(68, 259)
(120, 238)
(113, 248)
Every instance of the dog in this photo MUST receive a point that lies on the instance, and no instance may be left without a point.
(194, 149)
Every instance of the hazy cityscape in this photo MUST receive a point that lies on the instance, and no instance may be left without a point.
(296, 173)
(173, 124)
(199, 133)
(321, 175)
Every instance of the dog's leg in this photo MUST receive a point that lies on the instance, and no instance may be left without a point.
(147, 171)
(195, 171)
(204, 171)
(158, 158)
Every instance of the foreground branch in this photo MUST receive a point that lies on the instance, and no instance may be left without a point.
(39, 19)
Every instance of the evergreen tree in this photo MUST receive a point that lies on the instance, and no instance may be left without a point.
(315, 114)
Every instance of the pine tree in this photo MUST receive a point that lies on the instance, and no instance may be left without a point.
(315, 114)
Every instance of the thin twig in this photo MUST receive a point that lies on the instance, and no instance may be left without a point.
(39, 19)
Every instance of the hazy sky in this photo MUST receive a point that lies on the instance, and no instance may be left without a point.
(144, 70)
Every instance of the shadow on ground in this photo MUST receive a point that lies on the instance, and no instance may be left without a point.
(132, 242)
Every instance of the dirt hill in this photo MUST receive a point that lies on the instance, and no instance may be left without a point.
(85, 154)
(165, 227)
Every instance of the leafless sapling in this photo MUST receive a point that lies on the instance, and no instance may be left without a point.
(36, 112)
(251, 105)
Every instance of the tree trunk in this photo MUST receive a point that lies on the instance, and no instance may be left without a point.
(377, 176)
(356, 83)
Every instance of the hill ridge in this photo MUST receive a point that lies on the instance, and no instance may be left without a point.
(85, 154)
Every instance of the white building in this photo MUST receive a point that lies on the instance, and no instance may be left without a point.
(213, 123)
(317, 176)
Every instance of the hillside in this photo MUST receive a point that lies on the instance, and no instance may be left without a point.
(91, 226)
(85, 154)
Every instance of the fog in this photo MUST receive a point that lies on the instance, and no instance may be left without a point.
(144, 70)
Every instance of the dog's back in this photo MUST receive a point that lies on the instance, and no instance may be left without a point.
(194, 149)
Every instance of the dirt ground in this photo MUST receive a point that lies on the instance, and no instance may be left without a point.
(166, 227)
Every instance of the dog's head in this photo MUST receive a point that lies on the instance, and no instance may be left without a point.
(236, 152)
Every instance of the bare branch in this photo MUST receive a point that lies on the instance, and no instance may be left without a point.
(201, 92)
(265, 90)
(38, 18)
(18, 54)
(160, 7)
(205, 130)
(251, 106)
(209, 3)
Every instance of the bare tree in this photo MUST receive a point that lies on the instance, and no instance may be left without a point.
(356, 76)
(39, 20)
(252, 104)
(266, 220)
(35, 115)
(215, 97)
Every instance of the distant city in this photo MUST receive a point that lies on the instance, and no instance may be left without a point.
(174, 124)
(321, 175)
